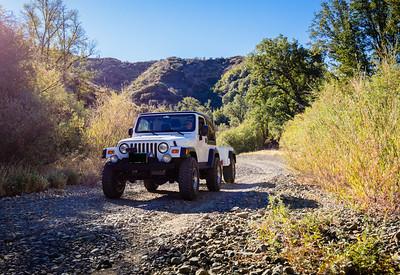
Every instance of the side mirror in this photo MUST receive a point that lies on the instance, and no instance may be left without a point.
(204, 130)
(130, 132)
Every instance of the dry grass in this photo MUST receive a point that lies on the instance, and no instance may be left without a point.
(18, 179)
(315, 244)
(349, 140)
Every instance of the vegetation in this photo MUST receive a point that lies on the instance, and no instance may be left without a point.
(350, 139)
(18, 179)
(315, 240)
(348, 136)
(243, 138)
(358, 33)
(270, 88)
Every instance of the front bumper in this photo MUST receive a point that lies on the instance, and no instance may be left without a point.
(152, 169)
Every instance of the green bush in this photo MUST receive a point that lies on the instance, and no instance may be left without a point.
(57, 179)
(307, 245)
(349, 140)
(18, 179)
(243, 138)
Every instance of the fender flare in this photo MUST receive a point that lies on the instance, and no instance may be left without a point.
(212, 153)
(232, 155)
(188, 151)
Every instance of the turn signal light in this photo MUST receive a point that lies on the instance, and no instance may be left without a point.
(110, 152)
(175, 151)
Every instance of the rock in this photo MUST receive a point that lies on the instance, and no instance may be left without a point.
(175, 260)
(194, 261)
(235, 208)
(396, 238)
(277, 270)
(288, 270)
(104, 264)
(202, 271)
(261, 248)
(243, 215)
(185, 269)
(216, 269)
(218, 227)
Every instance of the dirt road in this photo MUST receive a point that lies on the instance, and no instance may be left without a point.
(77, 230)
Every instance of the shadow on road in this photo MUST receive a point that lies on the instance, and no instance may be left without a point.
(243, 196)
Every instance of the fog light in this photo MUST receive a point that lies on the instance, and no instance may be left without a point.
(166, 158)
(114, 158)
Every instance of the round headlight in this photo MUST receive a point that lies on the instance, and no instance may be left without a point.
(114, 158)
(123, 147)
(166, 158)
(163, 147)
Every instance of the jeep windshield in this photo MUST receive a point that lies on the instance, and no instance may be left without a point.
(166, 123)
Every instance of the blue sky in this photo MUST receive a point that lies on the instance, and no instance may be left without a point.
(155, 29)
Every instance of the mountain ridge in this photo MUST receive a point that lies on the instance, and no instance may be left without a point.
(163, 82)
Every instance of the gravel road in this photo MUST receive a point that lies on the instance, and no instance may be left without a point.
(77, 230)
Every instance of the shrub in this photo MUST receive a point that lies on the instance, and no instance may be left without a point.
(315, 243)
(81, 169)
(350, 140)
(18, 179)
(57, 179)
(66, 113)
(243, 138)
(72, 176)
(110, 122)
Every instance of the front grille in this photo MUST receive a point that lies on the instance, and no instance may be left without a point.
(144, 147)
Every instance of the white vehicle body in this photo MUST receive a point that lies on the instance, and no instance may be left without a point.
(160, 143)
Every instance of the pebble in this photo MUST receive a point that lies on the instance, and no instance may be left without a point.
(185, 269)
(202, 271)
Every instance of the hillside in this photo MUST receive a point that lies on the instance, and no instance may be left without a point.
(169, 80)
(115, 74)
(162, 82)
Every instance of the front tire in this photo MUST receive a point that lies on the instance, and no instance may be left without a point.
(189, 180)
(113, 182)
(214, 176)
(151, 185)
(230, 171)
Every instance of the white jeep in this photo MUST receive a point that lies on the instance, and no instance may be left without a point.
(170, 146)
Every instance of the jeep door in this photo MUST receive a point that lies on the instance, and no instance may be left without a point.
(202, 146)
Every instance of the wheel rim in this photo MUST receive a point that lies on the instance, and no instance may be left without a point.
(219, 174)
(195, 179)
(120, 184)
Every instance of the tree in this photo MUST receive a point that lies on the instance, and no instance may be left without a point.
(355, 33)
(192, 104)
(57, 34)
(25, 127)
(285, 74)
(233, 87)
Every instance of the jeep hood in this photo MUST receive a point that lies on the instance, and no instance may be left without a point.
(155, 138)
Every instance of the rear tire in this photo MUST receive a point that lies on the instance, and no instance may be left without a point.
(230, 171)
(113, 183)
(189, 180)
(214, 176)
(151, 185)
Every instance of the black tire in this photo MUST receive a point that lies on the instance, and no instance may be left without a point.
(113, 183)
(230, 171)
(214, 176)
(151, 185)
(189, 180)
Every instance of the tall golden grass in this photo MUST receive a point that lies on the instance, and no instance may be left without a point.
(349, 140)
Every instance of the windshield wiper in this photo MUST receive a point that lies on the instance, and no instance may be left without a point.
(153, 133)
(180, 133)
